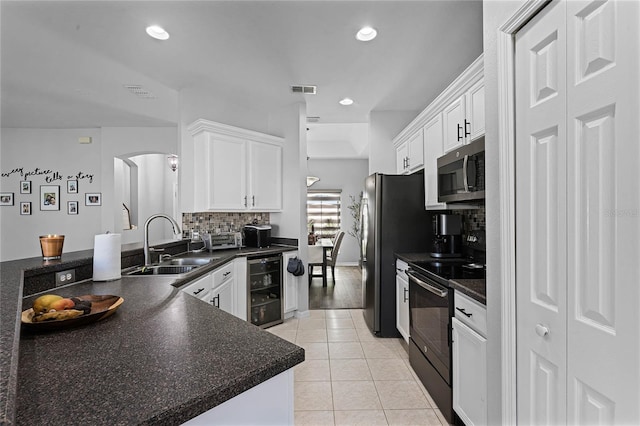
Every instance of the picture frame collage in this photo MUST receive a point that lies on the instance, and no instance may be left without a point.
(49, 198)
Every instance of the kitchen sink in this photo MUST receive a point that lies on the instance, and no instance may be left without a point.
(188, 261)
(163, 270)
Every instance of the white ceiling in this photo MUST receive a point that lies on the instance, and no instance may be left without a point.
(64, 64)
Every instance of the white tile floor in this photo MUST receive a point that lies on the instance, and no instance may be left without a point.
(350, 377)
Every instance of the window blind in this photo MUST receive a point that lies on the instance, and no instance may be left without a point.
(323, 212)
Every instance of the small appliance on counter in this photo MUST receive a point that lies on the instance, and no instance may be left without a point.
(257, 235)
(224, 240)
(447, 242)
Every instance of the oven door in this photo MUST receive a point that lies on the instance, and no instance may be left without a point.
(430, 307)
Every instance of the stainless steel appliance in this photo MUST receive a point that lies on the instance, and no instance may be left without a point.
(430, 311)
(264, 304)
(461, 174)
(392, 220)
(224, 240)
(257, 235)
(448, 235)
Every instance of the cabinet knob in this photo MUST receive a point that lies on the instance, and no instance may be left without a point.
(466, 132)
(542, 330)
(459, 133)
(245, 201)
(464, 312)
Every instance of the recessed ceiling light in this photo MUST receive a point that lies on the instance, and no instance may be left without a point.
(157, 32)
(366, 34)
(346, 101)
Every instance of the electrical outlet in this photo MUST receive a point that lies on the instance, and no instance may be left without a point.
(65, 277)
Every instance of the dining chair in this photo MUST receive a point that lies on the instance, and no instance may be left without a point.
(328, 258)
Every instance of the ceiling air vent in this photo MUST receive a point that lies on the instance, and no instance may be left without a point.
(307, 90)
(139, 91)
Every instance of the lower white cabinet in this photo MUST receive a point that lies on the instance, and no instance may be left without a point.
(402, 299)
(219, 288)
(290, 283)
(469, 361)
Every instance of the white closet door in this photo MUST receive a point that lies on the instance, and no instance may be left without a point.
(604, 207)
(541, 218)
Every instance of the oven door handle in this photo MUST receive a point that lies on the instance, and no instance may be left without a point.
(435, 290)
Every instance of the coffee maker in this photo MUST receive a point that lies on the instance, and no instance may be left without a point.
(447, 241)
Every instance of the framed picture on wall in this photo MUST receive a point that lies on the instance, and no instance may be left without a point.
(25, 207)
(93, 199)
(72, 187)
(49, 197)
(72, 207)
(25, 187)
(6, 198)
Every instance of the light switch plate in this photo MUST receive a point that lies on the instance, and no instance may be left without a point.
(65, 277)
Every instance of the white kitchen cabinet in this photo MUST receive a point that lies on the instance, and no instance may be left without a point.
(464, 118)
(200, 288)
(240, 270)
(410, 155)
(223, 294)
(402, 299)
(233, 169)
(291, 283)
(219, 288)
(433, 148)
(469, 361)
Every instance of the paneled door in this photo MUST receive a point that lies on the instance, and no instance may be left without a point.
(578, 214)
(541, 218)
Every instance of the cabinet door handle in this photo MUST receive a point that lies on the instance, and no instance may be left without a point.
(245, 201)
(216, 301)
(253, 200)
(459, 130)
(406, 294)
(464, 312)
(408, 162)
(226, 273)
(198, 291)
(466, 132)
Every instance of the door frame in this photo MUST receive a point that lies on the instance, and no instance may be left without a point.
(506, 170)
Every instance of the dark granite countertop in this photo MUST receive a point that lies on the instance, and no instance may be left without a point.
(474, 288)
(163, 357)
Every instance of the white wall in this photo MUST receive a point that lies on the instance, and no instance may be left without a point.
(495, 14)
(384, 126)
(290, 123)
(156, 180)
(59, 151)
(348, 176)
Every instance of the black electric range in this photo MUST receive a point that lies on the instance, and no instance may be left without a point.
(443, 270)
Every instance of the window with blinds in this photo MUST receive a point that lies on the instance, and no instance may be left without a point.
(323, 212)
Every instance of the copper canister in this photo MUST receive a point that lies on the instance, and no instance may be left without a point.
(51, 246)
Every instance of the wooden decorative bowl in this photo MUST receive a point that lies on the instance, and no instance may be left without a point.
(102, 306)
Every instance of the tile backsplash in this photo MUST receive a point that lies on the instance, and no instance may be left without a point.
(219, 222)
(474, 219)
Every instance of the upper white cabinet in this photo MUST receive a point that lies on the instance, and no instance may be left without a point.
(454, 118)
(410, 155)
(433, 148)
(234, 169)
(464, 118)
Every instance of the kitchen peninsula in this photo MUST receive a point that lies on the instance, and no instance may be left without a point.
(163, 358)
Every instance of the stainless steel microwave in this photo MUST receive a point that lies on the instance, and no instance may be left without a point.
(461, 174)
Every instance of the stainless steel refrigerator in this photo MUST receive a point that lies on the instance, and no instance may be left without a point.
(393, 220)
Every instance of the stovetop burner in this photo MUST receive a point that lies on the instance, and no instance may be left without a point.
(444, 270)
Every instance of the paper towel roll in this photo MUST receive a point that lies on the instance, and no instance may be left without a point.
(106, 257)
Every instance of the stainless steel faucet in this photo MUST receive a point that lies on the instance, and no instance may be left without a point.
(176, 230)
